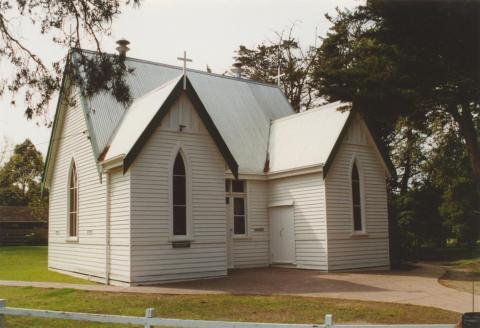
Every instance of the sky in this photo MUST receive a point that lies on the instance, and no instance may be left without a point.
(160, 30)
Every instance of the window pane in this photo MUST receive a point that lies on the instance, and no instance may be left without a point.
(73, 176)
(238, 185)
(73, 225)
(179, 220)
(238, 206)
(179, 190)
(239, 225)
(355, 172)
(72, 200)
(357, 218)
(356, 192)
(179, 166)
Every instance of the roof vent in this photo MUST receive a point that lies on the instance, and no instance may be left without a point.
(237, 69)
(123, 46)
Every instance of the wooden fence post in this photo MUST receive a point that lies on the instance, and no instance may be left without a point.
(328, 321)
(3, 304)
(149, 313)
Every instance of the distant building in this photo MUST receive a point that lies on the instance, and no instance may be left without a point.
(19, 225)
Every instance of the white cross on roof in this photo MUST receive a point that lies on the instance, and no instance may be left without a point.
(185, 60)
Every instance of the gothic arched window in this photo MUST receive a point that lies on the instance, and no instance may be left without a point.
(179, 193)
(356, 199)
(73, 202)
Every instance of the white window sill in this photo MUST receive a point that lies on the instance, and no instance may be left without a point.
(359, 234)
(72, 240)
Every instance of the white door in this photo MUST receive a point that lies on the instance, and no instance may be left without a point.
(282, 234)
(229, 232)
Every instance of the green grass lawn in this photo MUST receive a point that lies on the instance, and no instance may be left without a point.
(285, 309)
(29, 263)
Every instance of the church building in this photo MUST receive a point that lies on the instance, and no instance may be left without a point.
(202, 173)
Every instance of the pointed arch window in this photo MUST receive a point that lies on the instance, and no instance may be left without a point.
(356, 199)
(179, 197)
(73, 202)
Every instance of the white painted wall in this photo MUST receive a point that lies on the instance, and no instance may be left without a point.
(308, 195)
(253, 250)
(152, 256)
(87, 256)
(347, 251)
(119, 199)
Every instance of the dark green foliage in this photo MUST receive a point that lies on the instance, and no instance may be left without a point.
(20, 178)
(406, 58)
(38, 81)
(262, 63)
(412, 69)
(101, 72)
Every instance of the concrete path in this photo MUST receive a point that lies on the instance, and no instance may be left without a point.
(418, 286)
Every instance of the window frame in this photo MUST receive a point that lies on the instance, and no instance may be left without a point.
(231, 195)
(178, 150)
(73, 169)
(361, 186)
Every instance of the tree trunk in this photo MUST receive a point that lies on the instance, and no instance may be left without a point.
(407, 161)
(469, 134)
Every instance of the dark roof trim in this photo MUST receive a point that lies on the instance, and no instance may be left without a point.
(336, 147)
(204, 116)
(55, 123)
(69, 62)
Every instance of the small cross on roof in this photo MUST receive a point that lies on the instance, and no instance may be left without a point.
(185, 60)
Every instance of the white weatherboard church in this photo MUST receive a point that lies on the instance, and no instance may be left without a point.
(202, 173)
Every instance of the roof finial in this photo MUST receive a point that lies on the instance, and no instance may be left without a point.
(185, 60)
(237, 69)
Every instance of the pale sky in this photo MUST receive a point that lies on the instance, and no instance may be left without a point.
(159, 30)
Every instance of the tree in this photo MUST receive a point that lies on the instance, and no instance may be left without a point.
(262, 63)
(449, 170)
(406, 58)
(69, 23)
(20, 176)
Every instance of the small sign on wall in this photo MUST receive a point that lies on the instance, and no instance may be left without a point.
(181, 244)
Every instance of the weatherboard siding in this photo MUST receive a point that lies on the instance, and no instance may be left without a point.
(119, 210)
(253, 250)
(307, 192)
(87, 255)
(345, 250)
(152, 256)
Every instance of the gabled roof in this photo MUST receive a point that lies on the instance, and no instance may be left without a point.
(312, 138)
(250, 122)
(240, 109)
(136, 119)
(146, 114)
(305, 139)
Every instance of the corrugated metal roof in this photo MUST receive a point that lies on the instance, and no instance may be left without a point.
(305, 139)
(241, 109)
(137, 117)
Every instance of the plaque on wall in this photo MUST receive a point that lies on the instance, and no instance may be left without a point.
(181, 244)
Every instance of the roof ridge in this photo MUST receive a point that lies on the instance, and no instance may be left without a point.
(161, 86)
(145, 61)
(309, 111)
